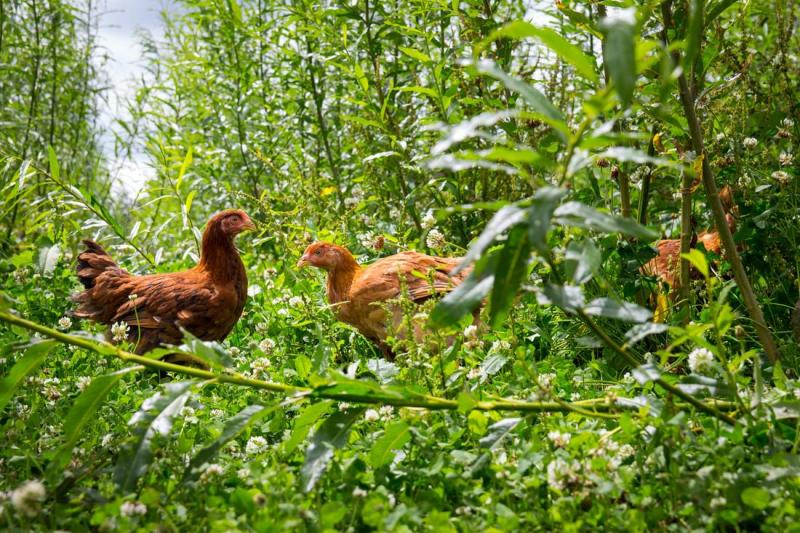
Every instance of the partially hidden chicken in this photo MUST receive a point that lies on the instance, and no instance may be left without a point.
(362, 296)
(206, 300)
(667, 264)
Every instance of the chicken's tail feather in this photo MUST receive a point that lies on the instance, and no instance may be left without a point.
(92, 262)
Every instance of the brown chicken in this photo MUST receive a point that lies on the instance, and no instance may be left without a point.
(206, 300)
(359, 294)
(667, 264)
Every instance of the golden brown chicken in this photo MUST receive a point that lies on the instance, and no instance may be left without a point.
(360, 295)
(206, 300)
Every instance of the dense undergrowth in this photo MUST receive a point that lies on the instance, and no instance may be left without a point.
(419, 125)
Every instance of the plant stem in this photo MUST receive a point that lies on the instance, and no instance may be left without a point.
(601, 408)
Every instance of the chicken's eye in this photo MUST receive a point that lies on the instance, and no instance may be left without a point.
(318, 252)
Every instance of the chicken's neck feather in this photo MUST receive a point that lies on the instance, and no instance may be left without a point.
(219, 257)
(340, 279)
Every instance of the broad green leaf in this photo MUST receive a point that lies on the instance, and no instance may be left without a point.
(477, 422)
(606, 307)
(416, 54)
(48, 258)
(498, 432)
(492, 364)
(211, 352)
(512, 266)
(233, 427)
(756, 497)
(508, 217)
(468, 295)
(583, 216)
(583, 260)
(567, 297)
(470, 128)
(540, 215)
(330, 435)
(304, 422)
(394, 437)
(155, 417)
(697, 260)
(567, 51)
(30, 361)
(640, 331)
(619, 47)
(646, 373)
(84, 411)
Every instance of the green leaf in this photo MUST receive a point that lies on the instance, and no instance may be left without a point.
(583, 260)
(698, 261)
(619, 52)
(427, 91)
(187, 160)
(330, 435)
(493, 364)
(609, 308)
(466, 401)
(394, 437)
(361, 77)
(211, 352)
(27, 364)
(536, 100)
(416, 54)
(508, 217)
(48, 258)
(717, 10)
(583, 216)
(567, 297)
(303, 366)
(512, 266)
(233, 427)
(540, 215)
(477, 423)
(155, 417)
(54, 170)
(756, 497)
(567, 51)
(304, 422)
(640, 331)
(694, 35)
(468, 295)
(83, 412)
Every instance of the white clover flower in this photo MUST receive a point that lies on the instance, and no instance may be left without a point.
(560, 473)
(474, 373)
(429, 220)
(217, 413)
(701, 360)
(132, 296)
(720, 137)
(65, 322)
(295, 301)
(267, 346)
(575, 396)
(132, 508)
(625, 451)
(464, 510)
(211, 471)
(386, 411)
(243, 473)
(83, 382)
(371, 415)
(749, 142)
(471, 332)
(787, 123)
(559, 439)
(256, 445)
(435, 239)
(28, 498)
(781, 177)
(234, 351)
(366, 239)
(718, 502)
(500, 346)
(546, 379)
(119, 331)
(785, 159)
(260, 366)
(358, 492)
(108, 438)
(343, 406)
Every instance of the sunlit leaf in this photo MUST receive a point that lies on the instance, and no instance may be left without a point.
(330, 435)
(619, 46)
(394, 437)
(608, 308)
(512, 265)
(30, 361)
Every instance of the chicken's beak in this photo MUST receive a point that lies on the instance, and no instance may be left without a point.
(248, 225)
(303, 261)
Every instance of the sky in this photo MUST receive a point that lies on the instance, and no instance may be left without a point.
(120, 23)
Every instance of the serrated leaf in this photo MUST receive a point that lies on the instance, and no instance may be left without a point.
(233, 427)
(640, 331)
(330, 435)
(628, 311)
(211, 352)
(646, 373)
(30, 361)
(155, 417)
(83, 412)
(506, 218)
(394, 437)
